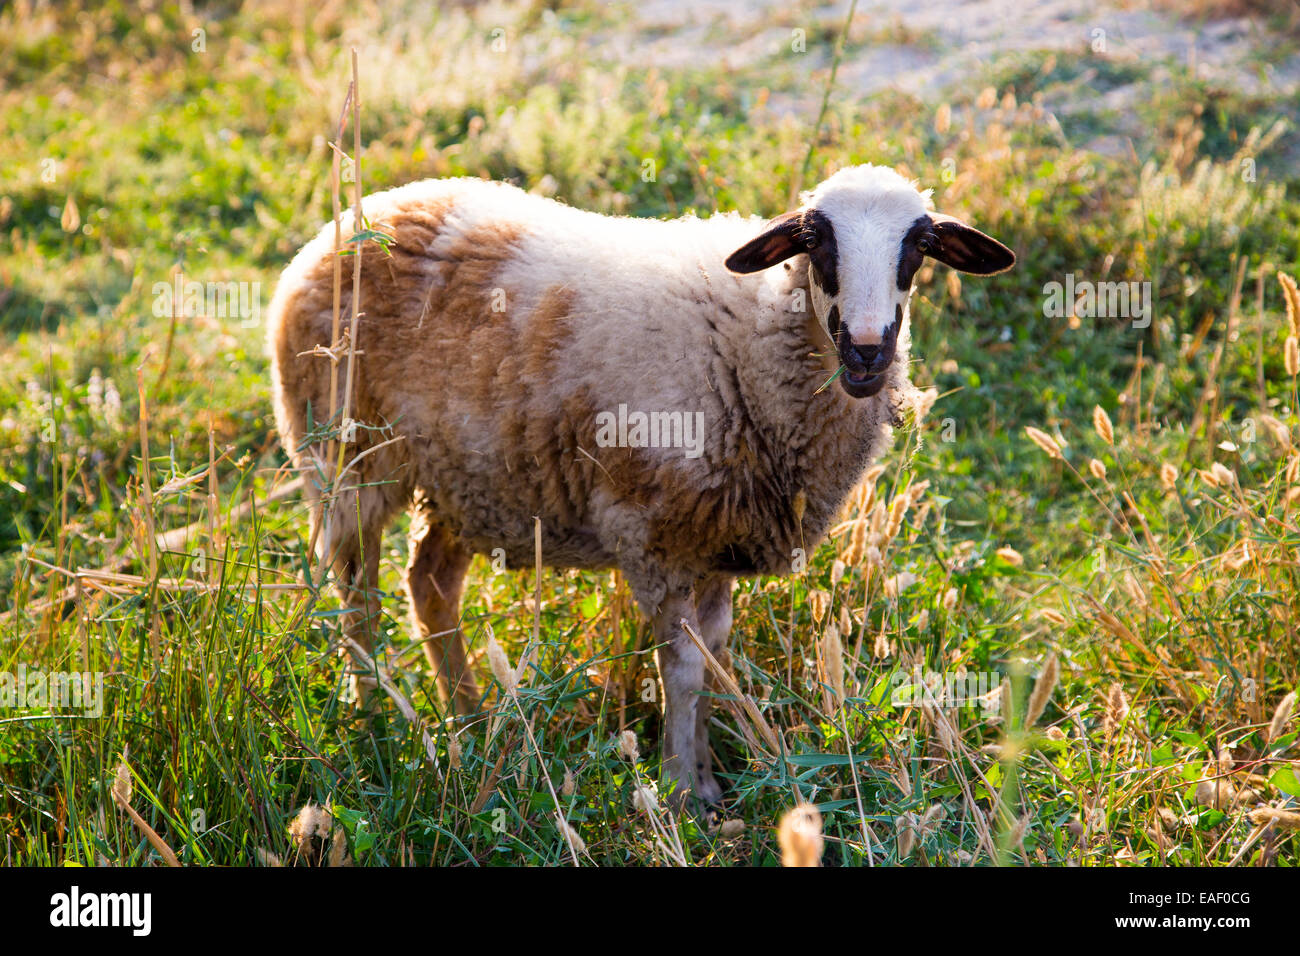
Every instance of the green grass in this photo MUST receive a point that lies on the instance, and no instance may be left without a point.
(225, 698)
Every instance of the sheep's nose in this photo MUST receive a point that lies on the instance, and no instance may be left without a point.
(866, 356)
(873, 357)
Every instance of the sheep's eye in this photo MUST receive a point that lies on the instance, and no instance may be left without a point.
(925, 244)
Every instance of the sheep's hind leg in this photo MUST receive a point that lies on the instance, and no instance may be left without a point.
(351, 547)
(435, 578)
(713, 608)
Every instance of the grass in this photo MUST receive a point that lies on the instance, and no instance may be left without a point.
(1142, 610)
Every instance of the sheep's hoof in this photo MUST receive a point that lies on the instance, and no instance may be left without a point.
(709, 792)
(703, 802)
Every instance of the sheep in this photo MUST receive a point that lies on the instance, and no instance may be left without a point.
(513, 354)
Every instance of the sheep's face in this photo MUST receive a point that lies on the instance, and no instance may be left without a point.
(866, 231)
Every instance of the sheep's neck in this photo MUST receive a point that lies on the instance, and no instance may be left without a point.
(816, 439)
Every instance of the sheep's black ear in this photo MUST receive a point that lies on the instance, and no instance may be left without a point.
(776, 244)
(967, 249)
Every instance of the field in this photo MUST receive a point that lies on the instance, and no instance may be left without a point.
(1092, 529)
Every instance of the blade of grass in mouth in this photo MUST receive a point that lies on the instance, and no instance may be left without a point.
(827, 384)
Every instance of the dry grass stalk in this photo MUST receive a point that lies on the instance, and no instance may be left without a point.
(121, 792)
(362, 659)
(733, 689)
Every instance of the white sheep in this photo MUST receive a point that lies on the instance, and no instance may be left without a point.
(625, 380)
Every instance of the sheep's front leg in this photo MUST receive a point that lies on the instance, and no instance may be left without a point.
(713, 609)
(681, 671)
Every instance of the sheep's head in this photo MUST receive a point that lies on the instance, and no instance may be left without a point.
(865, 231)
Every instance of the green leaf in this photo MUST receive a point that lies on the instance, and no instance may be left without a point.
(1284, 779)
(825, 760)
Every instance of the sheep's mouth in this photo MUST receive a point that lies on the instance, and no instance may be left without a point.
(861, 383)
(862, 379)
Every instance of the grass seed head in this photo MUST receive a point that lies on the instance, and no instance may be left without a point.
(571, 837)
(942, 118)
(818, 602)
(1101, 424)
(1281, 717)
(501, 669)
(800, 836)
(1044, 441)
(122, 786)
(1011, 556)
(730, 829)
(1043, 689)
(1117, 708)
(645, 798)
(1292, 296)
(313, 823)
(627, 747)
